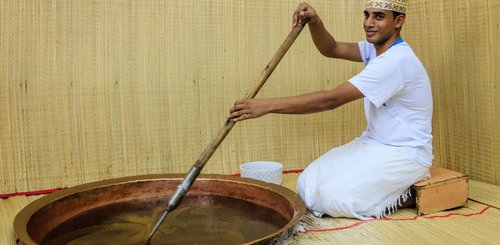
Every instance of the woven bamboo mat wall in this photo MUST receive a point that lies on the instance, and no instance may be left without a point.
(458, 43)
(92, 90)
(101, 89)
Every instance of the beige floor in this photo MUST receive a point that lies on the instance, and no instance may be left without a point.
(476, 223)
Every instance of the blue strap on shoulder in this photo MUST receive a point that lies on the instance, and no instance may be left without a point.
(400, 40)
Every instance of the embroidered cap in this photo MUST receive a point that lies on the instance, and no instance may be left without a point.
(393, 5)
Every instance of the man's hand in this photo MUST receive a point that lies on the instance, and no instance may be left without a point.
(304, 13)
(247, 108)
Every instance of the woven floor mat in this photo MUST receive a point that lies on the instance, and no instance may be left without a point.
(476, 223)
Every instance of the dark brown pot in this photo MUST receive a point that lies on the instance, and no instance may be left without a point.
(33, 223)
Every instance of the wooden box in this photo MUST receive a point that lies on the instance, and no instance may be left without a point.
(445, 189)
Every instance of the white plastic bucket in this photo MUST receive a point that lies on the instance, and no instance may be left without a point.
(266, 171)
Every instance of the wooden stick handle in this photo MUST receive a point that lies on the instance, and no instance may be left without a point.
(195, 170)
(264, 75)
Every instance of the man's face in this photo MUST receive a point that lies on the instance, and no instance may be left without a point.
(380, 25)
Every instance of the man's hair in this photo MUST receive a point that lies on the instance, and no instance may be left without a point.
(396, 14)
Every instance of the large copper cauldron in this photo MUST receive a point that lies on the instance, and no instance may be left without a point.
(39, 219)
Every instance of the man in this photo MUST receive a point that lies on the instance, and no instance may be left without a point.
(371, 175)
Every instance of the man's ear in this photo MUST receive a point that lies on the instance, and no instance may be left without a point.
(400, 20)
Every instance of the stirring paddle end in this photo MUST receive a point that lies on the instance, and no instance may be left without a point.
(156, 226)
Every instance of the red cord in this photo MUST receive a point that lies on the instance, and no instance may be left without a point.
(41, 192)
(29, 193)
(394, 219)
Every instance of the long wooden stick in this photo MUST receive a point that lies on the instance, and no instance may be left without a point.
(195, 170)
